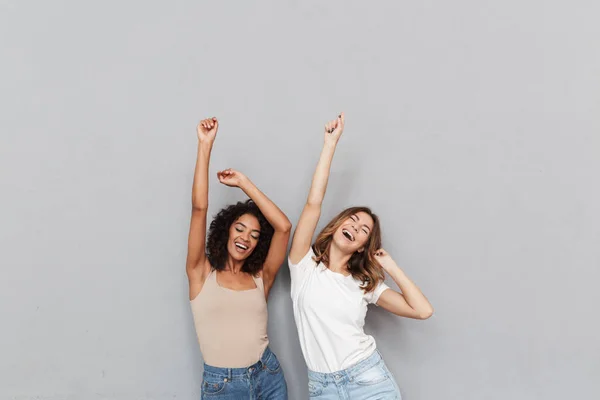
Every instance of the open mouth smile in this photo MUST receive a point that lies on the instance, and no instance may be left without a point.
(348, 235)
(240, 246)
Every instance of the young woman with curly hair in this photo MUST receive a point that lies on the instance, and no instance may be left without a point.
(333, 281)
(230, 275)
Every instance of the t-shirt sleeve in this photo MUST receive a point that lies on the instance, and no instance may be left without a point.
(301, 269)
(305, 261)
(373, 296)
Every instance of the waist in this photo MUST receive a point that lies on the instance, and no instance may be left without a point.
(334, 349)
(240, 372)
(349, 373)
(238, 354)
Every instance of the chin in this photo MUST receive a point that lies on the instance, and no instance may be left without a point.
(343, 244)
(237, 257)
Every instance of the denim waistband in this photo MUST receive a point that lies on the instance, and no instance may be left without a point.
(232, 373)
(349, 372)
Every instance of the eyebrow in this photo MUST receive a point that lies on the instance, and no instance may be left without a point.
(242, 224)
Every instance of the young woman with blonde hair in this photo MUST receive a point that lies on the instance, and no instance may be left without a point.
(333, 281)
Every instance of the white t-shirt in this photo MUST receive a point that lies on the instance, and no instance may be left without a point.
(330, 310)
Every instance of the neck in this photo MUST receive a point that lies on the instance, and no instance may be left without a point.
(338, 261)
(233, 266)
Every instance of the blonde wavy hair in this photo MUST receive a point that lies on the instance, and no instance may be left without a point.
(362, 265)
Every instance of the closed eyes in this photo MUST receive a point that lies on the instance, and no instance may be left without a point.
(365, 229)
(240, 228)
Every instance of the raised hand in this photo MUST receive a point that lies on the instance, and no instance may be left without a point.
(385, 260)
(334, 129)
(207, 130)
(231, 177)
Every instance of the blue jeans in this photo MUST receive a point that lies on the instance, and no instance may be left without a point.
(261, 381)
(369, 379)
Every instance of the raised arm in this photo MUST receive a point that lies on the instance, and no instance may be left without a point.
(411, 303)
(312, 209)
(278, 220)
(196, 264)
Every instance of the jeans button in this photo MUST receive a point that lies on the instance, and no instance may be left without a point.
(225, 380)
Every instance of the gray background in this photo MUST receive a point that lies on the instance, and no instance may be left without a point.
(472, 130)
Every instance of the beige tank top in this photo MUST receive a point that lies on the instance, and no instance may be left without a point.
(231, 325)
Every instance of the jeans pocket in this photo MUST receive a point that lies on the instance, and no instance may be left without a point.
(315, 388)
(372, 376)
(272, 364)
(212, 386)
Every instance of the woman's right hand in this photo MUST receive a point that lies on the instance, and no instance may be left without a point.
(232, 178)
(334, 129)
(207, 130)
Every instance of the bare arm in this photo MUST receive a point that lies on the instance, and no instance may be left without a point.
(278, 220)
(196, 263)
(411, 303)
(312, 209)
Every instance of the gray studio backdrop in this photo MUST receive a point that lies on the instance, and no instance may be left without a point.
(472, 130)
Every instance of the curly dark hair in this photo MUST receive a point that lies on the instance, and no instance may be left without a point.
(218, 235)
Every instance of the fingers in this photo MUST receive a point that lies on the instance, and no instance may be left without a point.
(331, 125)
(226, 173)
(209, 123)
(380, 253)
(335, 124)
(338, 123)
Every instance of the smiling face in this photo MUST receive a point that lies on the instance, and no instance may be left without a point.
(352, 235)
(354, 232)
(243, 237)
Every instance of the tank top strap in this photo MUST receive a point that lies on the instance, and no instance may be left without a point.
(259, 282)
(211, 279)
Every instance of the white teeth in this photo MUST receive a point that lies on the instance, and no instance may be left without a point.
(348, 234)
(241, 246)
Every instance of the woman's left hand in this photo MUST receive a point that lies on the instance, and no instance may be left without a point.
(232, 178)
(385, 260)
